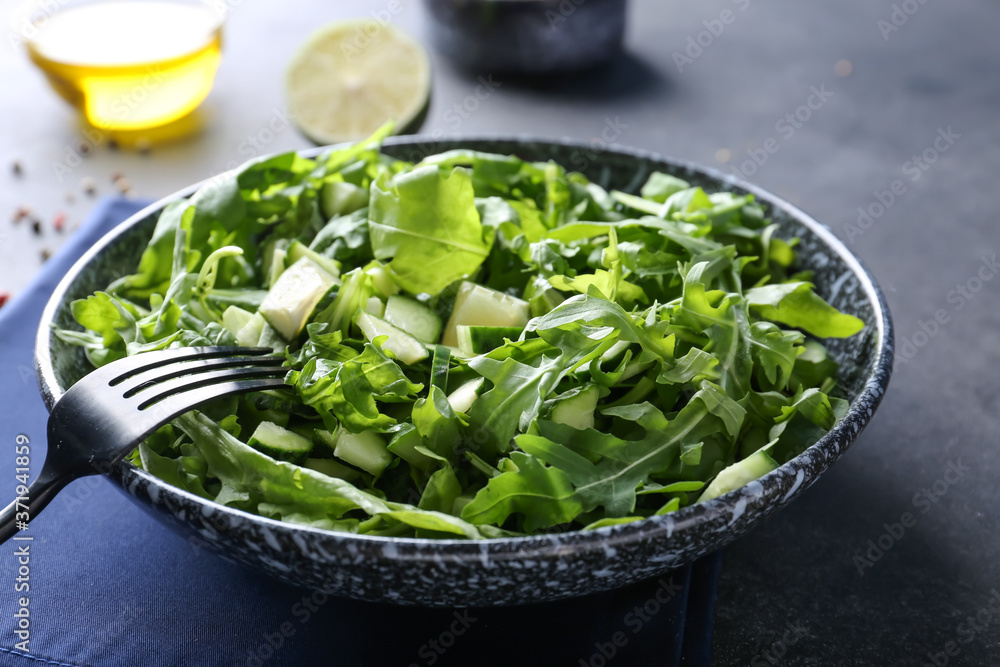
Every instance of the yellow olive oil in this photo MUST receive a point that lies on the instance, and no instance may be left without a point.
(130, 64)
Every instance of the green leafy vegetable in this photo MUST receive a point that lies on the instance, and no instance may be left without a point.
(428, 224)
(666, 358)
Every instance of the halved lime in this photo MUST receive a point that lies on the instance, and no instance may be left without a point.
(349, 78)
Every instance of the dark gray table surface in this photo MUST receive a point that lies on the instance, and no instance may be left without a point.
(837, 578)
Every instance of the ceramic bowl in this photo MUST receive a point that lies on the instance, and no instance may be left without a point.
(516, 570)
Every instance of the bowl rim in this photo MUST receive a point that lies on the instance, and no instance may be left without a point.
(807, 466)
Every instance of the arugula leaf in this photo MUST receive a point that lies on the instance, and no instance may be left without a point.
(346, 391)
(727, 326)
(774, 351)
(428, 224)
(542, 494)
(438, 424)
(659, 186)
(519, 389)
(797, 305)
(624, 465)
(157, 260)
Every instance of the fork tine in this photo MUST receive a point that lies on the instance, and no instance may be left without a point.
(129, 366)
(185, 383)
(153, 377)
(179, 403)
(121, 369)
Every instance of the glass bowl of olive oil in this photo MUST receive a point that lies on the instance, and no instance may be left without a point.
(128, 64)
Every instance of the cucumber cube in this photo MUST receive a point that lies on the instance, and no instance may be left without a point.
(235, 318)
(480, 340)
(413, 317)
(249, 333)
(280, 443)
(407, 349)
(293, 296)
(577, 410)
(365, 450)
(476, 305)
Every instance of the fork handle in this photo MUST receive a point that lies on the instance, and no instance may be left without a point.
(20, 513)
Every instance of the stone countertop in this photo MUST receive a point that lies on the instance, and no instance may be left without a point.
(878, 118)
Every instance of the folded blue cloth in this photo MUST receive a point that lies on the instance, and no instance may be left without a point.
(105, 584)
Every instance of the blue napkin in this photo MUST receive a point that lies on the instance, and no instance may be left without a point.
(105, 584)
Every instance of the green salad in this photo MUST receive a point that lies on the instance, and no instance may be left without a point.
(477, 346)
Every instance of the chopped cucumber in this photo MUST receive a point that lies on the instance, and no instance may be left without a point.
(462, 398)
(413, 317)
(381, 280)
(577, 410)
(439, 367)
(473, 340)
(297, 250)
(249, 334)
(274, 254)
(277, 265)
(365, 450)
(740, 474)
(332, 468)
(269, 337)
(340, 198)
(407, 349)
(292, 298)
(324, 437)
(405, 444)
(375, 306)
(280, 443)
(235, 318)
(476, 305)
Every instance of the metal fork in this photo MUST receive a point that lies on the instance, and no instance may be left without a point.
(110, 411)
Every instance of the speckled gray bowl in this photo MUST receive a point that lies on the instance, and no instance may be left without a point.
(507, 571)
